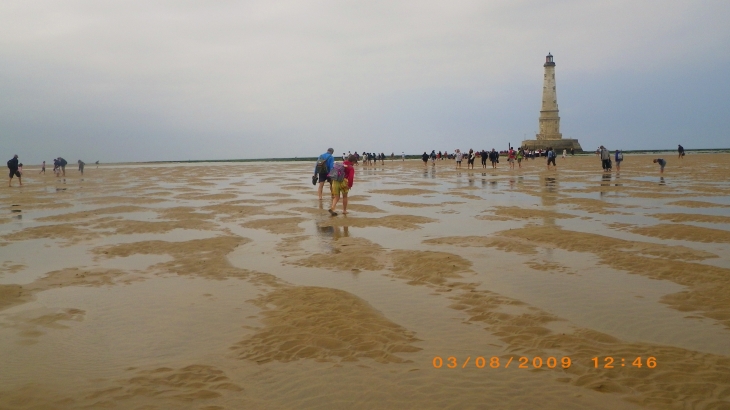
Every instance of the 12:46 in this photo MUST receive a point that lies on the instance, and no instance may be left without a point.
(609, 362)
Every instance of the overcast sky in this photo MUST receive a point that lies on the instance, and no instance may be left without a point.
(177, 80)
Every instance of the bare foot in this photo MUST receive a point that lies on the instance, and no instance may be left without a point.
(344, 212)
(333, 213)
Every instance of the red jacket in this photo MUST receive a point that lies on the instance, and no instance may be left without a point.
(349, 172)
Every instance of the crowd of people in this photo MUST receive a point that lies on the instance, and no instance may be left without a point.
(340, 176)
(59, 168)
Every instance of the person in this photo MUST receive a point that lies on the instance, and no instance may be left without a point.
(342, 180)
(605, 158)
(402, 155)
(56, 167)
(565, 153)
(81, 166)
(511, 158)
(433, 157)
(13, 167)
(680, 150)
(520, 155)
(662, 163)
(470, 159)
(62, 163)
(424, 158)
(458, 156)
(43, 168)
(484, 155)
(494, 158)
(324, 165)
(551, 157)
(618, 156)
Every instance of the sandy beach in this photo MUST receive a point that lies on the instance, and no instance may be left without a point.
(229, 286)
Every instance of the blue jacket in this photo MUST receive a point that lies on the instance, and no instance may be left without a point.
(330, 161)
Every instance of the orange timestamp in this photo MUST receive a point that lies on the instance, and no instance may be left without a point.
(494, 362)
(609, 362)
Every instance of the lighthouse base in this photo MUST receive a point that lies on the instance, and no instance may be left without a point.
(558, 145)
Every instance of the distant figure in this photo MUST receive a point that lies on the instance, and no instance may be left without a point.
(97, 164)
(342, 176)
(14, 172)
(62, 163)
(605, 158)
(680, 150)
(433, 157)
(551, 157)
(324, 165)
(81, 166)
(458, 156)
(565, 153)
(494, 158)
(43, 168)
(662, 163)
(424, 158)
(484, 155)
(402, 156)
(619, 156)
(511, 155)
(57, 167)
(520, 155)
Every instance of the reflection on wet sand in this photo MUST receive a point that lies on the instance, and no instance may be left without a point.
(237, 289)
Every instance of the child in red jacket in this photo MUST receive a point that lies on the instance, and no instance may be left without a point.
(343, 186)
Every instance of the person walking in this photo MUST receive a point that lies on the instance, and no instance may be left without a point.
(470, 160)
(494, 158)
(680, 150)
(342, 176)
(43, 168)
(605, 158)
(484, 155)
(618, 156)
(550, 157)
(325, 162)
(511, 158)
(424, 158)
(14, 172)
(81, 166)
(458, 156)
(520, 155)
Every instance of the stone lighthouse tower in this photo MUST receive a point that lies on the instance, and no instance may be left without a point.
(549, 119)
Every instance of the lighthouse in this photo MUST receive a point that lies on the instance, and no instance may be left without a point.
(549, 120)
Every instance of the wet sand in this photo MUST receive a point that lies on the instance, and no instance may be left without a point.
(225, 286)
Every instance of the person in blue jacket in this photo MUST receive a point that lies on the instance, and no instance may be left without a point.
(325, 162)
